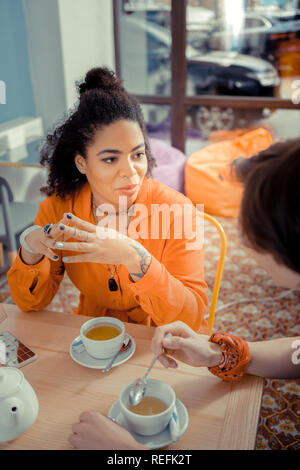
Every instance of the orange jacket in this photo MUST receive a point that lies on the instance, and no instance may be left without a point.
(172, 289)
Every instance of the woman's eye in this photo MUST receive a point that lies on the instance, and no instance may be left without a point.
(139, 155)
(109, 159)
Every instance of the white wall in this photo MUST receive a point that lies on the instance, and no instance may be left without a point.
(65, 39)
(45, 56)
(86, 29)
(25, 182)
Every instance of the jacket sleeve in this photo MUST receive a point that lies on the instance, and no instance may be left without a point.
(45, 276)
(174, 289)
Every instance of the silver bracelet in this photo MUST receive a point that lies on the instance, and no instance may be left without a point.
(24, 235)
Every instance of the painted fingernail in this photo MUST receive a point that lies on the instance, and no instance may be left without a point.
(69, 216)
(59, 245)
(66, 259)
(55, 257)
(62, 227)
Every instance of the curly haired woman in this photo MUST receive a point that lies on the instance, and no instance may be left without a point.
(98, 160)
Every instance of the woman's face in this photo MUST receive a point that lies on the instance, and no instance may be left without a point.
(281, 275)
(116, 163)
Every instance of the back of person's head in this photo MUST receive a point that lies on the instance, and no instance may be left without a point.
(102, 101)
(270, 209)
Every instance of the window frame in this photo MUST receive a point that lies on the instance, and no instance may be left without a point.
(178, 101)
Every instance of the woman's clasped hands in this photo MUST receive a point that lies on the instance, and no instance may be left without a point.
(94, 243)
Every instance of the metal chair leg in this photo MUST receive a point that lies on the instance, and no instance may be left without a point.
(11, 240)
(1, 256)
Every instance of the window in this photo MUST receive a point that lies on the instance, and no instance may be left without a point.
(197, 66)
(256, 23)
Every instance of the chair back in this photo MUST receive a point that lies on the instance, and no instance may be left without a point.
(6, 197)
(218, 278)
(5, 186)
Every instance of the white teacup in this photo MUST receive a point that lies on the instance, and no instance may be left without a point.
(152, 424)
(102, 349)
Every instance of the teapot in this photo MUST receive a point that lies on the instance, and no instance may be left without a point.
(18, 404)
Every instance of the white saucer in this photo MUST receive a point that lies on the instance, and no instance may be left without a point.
(158, 440)
(79, 354)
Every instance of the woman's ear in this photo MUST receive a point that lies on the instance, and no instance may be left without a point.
(80, 163)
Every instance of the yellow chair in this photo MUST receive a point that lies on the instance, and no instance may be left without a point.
(218, 278)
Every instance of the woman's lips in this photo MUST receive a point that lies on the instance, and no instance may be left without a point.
(128, 190)
(131, 186)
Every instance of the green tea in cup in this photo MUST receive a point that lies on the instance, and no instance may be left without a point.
(102, 336)
(149, 406)
(153, 413)
(102, 332)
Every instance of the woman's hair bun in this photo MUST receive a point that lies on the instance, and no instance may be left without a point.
(100, 78)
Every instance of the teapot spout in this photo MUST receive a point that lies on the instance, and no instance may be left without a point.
(15, 411)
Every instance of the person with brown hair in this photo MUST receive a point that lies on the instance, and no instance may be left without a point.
(98, 194)
(269, 220)
(270, 226)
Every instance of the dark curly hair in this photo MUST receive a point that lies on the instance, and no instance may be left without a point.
(270, 214)
(102, 101)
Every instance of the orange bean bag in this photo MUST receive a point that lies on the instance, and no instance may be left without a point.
(208, 177)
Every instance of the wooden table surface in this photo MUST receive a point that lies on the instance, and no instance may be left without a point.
(221, 415)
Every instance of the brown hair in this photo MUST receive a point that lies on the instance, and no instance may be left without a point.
(102, 101)
(270, 209)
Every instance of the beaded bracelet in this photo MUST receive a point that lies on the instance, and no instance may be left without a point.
(235, 357)
(23, 236)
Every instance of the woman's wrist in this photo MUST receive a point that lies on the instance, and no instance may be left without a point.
(138, 262)
(215, 355)
(29, 258)
(23, 236)
(235, 356)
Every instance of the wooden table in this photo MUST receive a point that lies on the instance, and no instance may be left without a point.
(221, 415)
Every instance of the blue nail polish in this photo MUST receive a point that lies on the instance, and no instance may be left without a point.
(65, 259)
(69, 216)
(55, 257)
(62, 227)
(59, 245)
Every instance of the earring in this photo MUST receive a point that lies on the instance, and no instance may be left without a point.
(79, 169)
